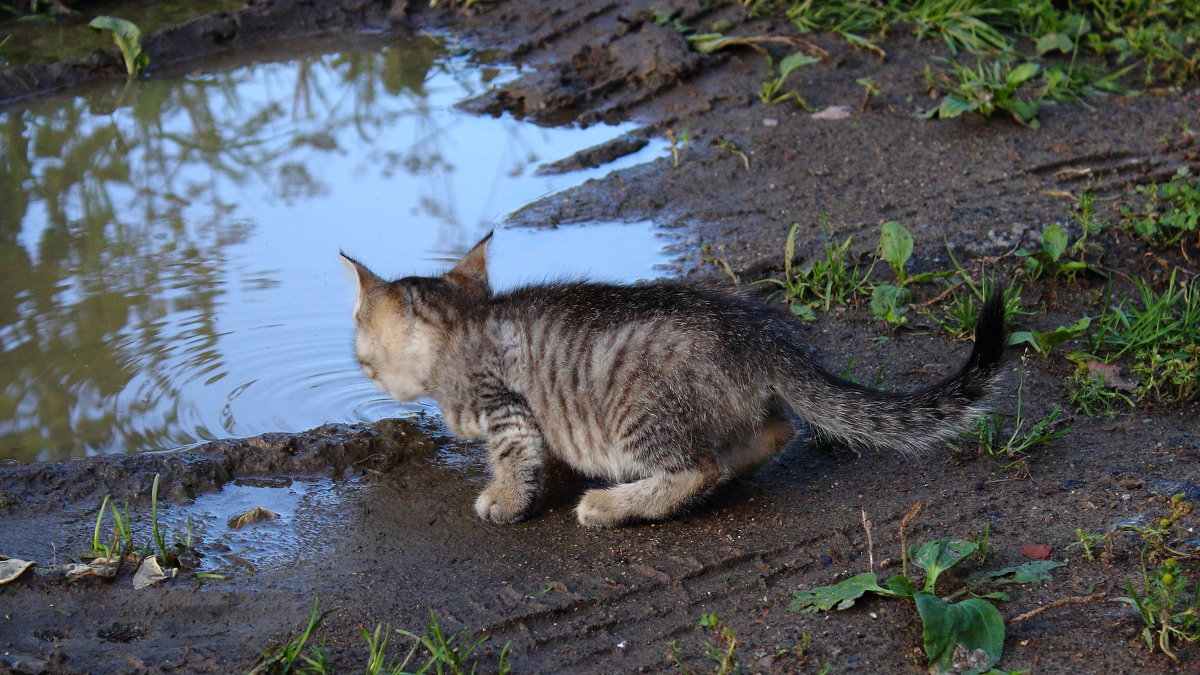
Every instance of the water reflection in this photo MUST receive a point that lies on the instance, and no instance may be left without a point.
(169, 248)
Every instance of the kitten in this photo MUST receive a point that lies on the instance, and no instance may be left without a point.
(666, 390)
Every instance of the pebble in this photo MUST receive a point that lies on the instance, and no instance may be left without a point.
(1169, 488)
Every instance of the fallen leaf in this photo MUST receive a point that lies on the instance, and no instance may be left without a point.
(148, 573)
(77, 571)
(254, 515)
(833, 112)
(1110, 373)
(1036, 551)
(12, 568)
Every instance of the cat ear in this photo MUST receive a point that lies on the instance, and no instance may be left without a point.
(368, 283)
(471, 272)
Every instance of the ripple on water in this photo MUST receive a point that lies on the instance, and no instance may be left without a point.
(184, 285)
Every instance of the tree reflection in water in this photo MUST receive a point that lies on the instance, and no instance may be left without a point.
(148, 233)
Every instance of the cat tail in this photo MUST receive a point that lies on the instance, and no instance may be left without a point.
(911, 423)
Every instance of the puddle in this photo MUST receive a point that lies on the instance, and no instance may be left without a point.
(306, 509)
(171, 248)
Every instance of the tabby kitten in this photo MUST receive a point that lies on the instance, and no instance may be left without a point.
(666, 390)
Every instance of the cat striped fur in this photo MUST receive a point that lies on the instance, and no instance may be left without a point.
(666, 390)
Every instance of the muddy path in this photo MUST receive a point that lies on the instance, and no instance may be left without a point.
(403, 540)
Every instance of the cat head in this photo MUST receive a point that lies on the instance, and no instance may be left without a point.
(401, 324)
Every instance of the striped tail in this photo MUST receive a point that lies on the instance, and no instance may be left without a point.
(911, 423)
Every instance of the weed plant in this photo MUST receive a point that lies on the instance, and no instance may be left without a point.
(1012, 450)
(1169, 611)
(1088, 542)
(444, 654)
(890, 302)
(1161, 35)
(772, 90)
(1093, 394)
(1051, 258)
(1024, 52)
(827, 280)
(1160, 334)
(121, 542)
(128, 38)
(949, 629)
(962, 309)
(722, 652)
(290, 657)
(986, 88)
(1166, 607)
(1172, 213)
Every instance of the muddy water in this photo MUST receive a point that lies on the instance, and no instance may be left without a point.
(170, 247)
(302, 508)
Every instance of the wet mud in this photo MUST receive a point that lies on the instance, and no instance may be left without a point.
(404, 541)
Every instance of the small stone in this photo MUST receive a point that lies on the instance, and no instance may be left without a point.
(1140, 520)
(254, 515)
(833, 112)
(1170, 488)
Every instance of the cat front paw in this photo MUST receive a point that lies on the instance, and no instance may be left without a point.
(503, 506)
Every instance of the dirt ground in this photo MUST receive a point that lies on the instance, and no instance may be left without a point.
(405, 541)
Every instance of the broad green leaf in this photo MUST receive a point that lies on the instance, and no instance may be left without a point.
(1024, 111)
(966, 638)
(126, 29)
(1078, 24)
(706, 43)
(794, 61)
(128, 39)
(902, 586)
(952, 106)
(940, 555)
(1022, 73)
(890, 303)
(1044, 342)
(803, 311)
(1054, 241)
(1034, 571)
(926, 277)
(1070, 267)
(1052, 41)
(896, 247)
(841, 595)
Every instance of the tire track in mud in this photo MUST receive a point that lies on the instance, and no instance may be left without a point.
(636, 60)
(663, 601)
(575, 19)
(1111, 172)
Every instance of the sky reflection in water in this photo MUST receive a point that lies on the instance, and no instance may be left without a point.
(169, 250)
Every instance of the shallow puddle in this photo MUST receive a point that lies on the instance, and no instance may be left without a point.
(305, 508)
(171, 248)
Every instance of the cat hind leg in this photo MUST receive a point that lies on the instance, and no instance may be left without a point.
(749, 450)
(652, 498)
